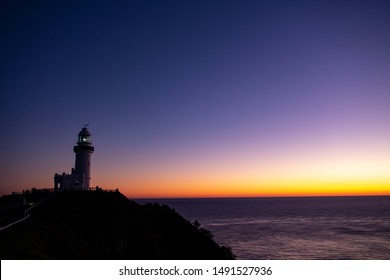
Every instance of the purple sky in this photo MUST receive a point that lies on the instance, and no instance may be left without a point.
(180, 88)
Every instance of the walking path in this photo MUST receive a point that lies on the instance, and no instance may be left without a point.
(26, 213)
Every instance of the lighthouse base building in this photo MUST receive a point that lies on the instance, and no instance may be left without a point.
(80, 176)
(70, 181)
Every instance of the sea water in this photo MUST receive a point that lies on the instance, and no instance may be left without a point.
(294, 228)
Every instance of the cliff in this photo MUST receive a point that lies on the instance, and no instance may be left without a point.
(106, 225)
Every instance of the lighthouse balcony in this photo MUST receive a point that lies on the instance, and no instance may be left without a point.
(83, 148)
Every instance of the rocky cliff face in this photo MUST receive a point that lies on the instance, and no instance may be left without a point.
(106, 225)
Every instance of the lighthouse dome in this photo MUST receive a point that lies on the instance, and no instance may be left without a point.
(84, 137)
(84, 132)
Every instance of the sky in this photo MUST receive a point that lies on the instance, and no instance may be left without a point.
(184, 98)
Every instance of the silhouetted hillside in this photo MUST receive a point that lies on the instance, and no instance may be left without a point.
(106, 225)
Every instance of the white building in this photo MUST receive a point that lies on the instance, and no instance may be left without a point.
(80, 176)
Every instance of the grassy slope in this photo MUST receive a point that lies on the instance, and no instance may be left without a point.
(103, 225)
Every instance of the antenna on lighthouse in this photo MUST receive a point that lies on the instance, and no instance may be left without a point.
(86, 125)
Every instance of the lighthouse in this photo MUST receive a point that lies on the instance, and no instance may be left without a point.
(80, 176)
(83, 150)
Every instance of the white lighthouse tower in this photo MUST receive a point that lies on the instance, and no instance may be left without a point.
(80, 177)
(83, 150)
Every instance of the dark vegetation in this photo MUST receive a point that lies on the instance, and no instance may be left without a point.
(106, 225)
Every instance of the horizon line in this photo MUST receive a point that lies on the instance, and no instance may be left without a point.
(251, 197)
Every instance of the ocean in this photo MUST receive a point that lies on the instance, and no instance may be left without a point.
(303, 228)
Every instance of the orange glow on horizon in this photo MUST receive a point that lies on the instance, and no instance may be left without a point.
(327, 172)
(275, 190)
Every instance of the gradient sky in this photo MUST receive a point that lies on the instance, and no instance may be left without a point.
(198, 98)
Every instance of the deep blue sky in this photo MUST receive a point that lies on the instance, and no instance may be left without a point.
(177, 89)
